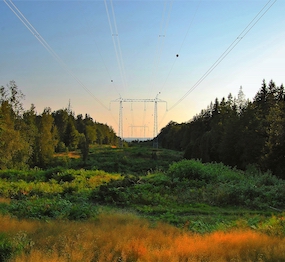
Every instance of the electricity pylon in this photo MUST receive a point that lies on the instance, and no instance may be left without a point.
(147, 100)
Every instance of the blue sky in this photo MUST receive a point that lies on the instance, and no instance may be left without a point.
(91, 71)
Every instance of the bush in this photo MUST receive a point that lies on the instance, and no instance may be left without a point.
(252, 192)
(60, 148)
(53, 172)
(56, 208)
(16, 175)
(189, 169)
(196, 170)
(63, 161)
(6, 248)
(215, 183)
(114, 192)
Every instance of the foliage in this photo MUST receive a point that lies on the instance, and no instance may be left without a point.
(6, 247)
(235, 131)
(200, 196)
(14, 150)
(132, 160)
(189, 194)
(29, 139)
(13, 246)
(211, 199)
(51, 183)
(56, 208)
(223, 186)
(186, 189)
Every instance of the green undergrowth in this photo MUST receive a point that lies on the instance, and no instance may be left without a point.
(190, 182)
(131, 160)
(188, 194)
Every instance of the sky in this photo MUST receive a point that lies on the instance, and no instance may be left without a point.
(181, 53)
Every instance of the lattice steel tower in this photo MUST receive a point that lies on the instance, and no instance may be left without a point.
(147, 100)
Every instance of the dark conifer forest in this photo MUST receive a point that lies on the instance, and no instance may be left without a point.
(235, 131)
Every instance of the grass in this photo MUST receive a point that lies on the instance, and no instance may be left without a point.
(144, 209)
(72, 154)
(130, 160)
(124, 237)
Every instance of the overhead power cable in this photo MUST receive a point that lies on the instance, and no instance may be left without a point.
(38, 36)
(116, 42)
(160, 39)
(103, 61)
(179, 50)
(253, 22)
(88, 22)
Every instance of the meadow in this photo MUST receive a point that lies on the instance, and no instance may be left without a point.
(136, 204)
(124, 237)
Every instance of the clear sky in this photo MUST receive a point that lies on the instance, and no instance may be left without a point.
(99, 51)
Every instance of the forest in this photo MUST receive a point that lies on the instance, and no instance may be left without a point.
(235, 131)
(30, 140)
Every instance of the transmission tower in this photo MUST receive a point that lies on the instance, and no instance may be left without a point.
(147, 100)
(155, 126)
(121, 135)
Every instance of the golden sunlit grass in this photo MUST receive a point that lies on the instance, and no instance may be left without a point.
(5, 200)
(123, 237)
(72, 154)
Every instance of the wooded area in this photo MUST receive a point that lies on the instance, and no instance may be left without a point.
(235, 131)
(28, 139)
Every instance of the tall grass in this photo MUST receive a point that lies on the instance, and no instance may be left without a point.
(123, 237)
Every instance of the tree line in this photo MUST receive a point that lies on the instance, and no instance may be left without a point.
(29, 139)
(238, 132)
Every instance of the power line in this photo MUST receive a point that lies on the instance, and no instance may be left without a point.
(144, 127)
(116, 42)
(144, 113)
(164, 115)
(102, 59)
(130, 100)
(38, 36)
(97, 46)
(179, 50)
(119, 44)
(160, 44)
(161, 38)
(228, 50)
(132, 114)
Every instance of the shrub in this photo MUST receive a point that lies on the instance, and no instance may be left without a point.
(6, 247)
(56, 208)
(22, 243)
(16, 175)
(50, 173)
(224, 186)
(61, 147)
(189, 169)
